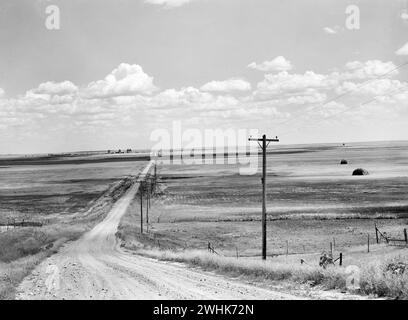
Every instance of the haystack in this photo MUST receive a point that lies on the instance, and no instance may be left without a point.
(360, 172)
(343, 161)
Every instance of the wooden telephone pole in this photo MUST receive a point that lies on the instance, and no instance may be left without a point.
(264, 146)
(147, 204)
(141, 206)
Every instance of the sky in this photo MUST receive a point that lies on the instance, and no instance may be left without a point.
(117, 70)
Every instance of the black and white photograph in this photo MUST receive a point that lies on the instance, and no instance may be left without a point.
(204, 155)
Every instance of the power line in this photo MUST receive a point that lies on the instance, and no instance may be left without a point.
(363, 104)
(350, 108)
(344, 93)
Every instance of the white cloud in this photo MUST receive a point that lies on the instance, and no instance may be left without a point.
(65, 99)
(1, 92)
(330, 109)
(242, 113)
(227, 85)
(56, 88)
(312, 88)
(403, 51)
(169, 3)
(125, 80)
(191, 99)
(376, 87)
(368, 69)
(311, 96)
(172, 98)
(404, 16)
(278, 64)
(285, 83)
(128, 97)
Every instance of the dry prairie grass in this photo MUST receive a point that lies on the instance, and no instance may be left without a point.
(374, 279)
(23, 248)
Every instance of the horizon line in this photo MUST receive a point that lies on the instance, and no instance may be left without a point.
(198, 147)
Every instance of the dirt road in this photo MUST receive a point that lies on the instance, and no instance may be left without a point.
(95, 267)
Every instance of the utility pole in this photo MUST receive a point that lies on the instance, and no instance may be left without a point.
(150, 191)
(147, 205)
(141, 206)
(264, 146)
(155, 176)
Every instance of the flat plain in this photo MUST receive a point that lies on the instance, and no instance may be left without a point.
(46, 201)
(312, 201)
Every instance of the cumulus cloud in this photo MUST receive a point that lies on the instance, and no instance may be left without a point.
(191, 99)
(376, 87)
(403, 51)
(173, 98)
(404, 16)
(368, 69)
(1, 92)
(285, 83)
(330, 109)
(128, 96)
(240, 113)
(278, 64)
(169, 3)
(56, 88)
(227, 85)
(125, 80)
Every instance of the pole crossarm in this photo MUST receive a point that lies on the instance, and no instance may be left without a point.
(266, 140)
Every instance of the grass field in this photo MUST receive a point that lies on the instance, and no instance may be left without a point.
(312, 201)
(66, 199)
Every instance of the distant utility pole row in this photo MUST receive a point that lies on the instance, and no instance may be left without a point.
(264, 146)
(146, 188)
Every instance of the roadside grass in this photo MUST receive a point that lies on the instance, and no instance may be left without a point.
(12, 273)
(22, 249)
(374, 278)
(173, 237)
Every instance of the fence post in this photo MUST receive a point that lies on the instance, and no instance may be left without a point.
(376, 233)
(331, 248)
(368, 243)
(341, 259)
(406, 236)
(287, 247)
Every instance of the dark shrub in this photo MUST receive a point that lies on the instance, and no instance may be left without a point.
(360, 172)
